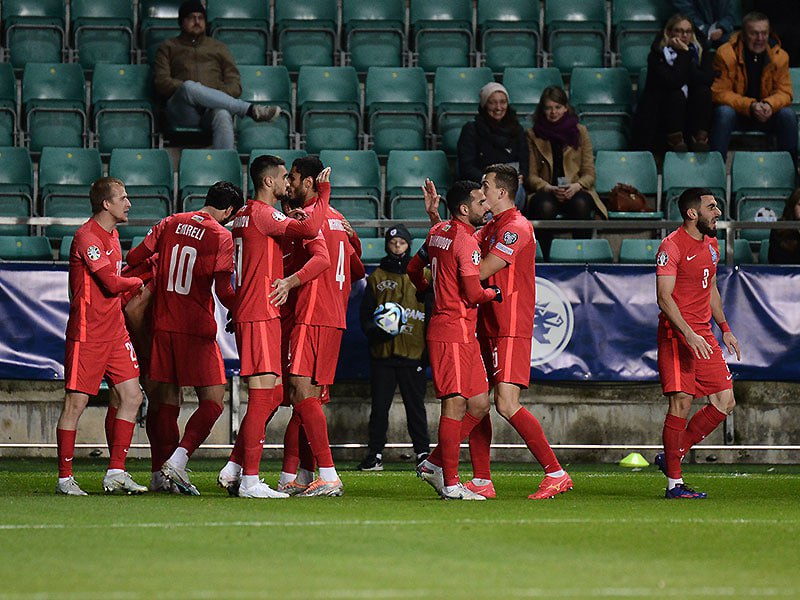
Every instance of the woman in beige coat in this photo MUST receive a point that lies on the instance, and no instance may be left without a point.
(561, 174)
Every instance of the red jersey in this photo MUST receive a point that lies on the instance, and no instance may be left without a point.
(693, 263)
(193, 247)
(323, 300)
(95, 314)
(510, 237)
(453, 255)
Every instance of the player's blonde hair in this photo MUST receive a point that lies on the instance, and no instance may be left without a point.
(101, 191)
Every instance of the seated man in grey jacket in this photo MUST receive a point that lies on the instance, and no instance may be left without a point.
(198, 78)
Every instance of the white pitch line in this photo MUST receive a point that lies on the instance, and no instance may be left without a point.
(397, 523)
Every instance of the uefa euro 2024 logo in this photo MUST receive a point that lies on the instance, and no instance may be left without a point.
(553, 323)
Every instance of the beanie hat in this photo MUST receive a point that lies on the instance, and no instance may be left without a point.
(400, 231)
(189, 7)
(489, 89)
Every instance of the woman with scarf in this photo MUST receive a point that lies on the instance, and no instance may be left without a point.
(674, 111)
(494, 137)
(561, 169)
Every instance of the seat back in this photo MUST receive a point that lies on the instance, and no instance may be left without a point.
(638, 251)
(255, 11)
(306, 31)
(200, 169)
(442, 33)
(393, 87)
(142, 168)
(525, 86)
(68, 166)
(766, 174)
(334, 86)
(510, 33)
(121, 82)
(374, 32)
(683, 170)
(266, 85)
(353, 172)
(601, 89)
(581, 251)
(16, 171)
(25, 248)
(46, 83)
(112, 10)
(406, 171)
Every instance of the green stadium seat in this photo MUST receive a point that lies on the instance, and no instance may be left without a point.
(794, 73)
(442, 33)
(742, 254)
(65, 176)
(243, 26)
(122, 107)
(25, 248)
(509, 33)
(406, 171)
(581, 251)
(329, 101)
(374, 33)
(34, 31)
(455, 101)
(265, 85)
(525, 87)
(53, 101)
(763, 252)
(64, 247)
(397, 108)
(16, 188)
(158, 21)
(288, 157)
(145, 208)
(373, 249)
(200, 169)
(760, 183)
(307, 32)
(102, 32)
(638, 251)
(8, 105)
(603, 98)
(688, 169)
(576, 34)
(355, 185)
(635, 24)
(147, 174)
(634, 168)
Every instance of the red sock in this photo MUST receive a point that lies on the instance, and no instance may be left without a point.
(480, 441)
(65, 439)
(111, 415)
(198, 428)
(237, 454)
(531, 431)
(316, 427)
(672, 436)
(700, 425)
(468, 423)
(167, 433)
(449, 440)
(261, 404)
(291, 445)
(123, 434)
(151, 428)
(307, 460)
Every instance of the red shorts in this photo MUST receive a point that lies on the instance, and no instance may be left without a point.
(259, 344)
(314, 352)
(186, 360)
(85, 363)
(681, 371)
(507, 360)
(457, 369)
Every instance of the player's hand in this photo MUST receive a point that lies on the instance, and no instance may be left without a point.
(280, 293)
(699, 345)
(297, 213)
(229, 323)
(498, 294)
(732, 344)
(348, 228)
(431, 201)
(324, 175)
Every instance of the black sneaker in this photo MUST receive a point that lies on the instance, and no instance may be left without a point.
(422, 456)
(371, 463)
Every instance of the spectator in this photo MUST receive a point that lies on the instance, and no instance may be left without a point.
(561, 166)
(784, 244)
(396, 355)
(494, 137)
(753, 88)
(713, 18)
(676, 102)
(198, 78)
(785, 23)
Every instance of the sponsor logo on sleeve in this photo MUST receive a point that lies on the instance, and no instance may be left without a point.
(278, 216)
(504, 249)
(509, 237)
(93, 253)
(662, 259)
(476, 257)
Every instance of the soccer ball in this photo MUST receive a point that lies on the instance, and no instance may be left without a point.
(390, 317)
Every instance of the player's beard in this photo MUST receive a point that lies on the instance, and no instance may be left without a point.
(291, 201)
(707, 227)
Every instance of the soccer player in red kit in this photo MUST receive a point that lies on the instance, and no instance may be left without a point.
(197, 255)
(505, 331)
(257, 230)
(97, 341)
(459, 376)
(690, 361)
(320, 309)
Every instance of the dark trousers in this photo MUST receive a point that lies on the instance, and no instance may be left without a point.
(544, 206)
(687, 115)
(385, 379)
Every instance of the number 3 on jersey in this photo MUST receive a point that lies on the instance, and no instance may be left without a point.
(181, 265)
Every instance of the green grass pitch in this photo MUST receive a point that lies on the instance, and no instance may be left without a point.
(389, 537)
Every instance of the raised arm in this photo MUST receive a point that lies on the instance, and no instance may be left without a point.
(310, 227)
